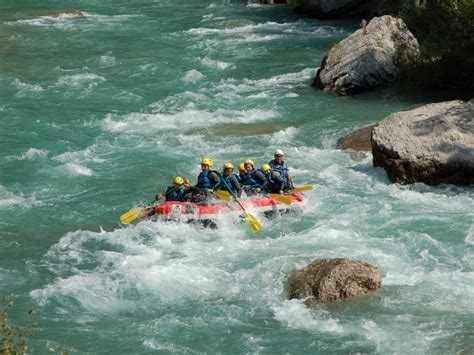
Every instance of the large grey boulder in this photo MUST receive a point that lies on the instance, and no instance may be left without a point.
(368, 58)
(325, 9)
(432, 144)
(327, 280)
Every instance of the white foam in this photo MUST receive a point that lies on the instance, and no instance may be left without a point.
(147, 123)
(290, 28)
(193, 76)
(88, 80)
(25, 88)
(108, 60)
(277, 82)
(297, 315)
(76, 169)
(87, 155)
(30, 154)
(167, 261)
(68, 21)
(75, 162)
(285, 136)
(9, 199)
(215, 64)
(470, 235)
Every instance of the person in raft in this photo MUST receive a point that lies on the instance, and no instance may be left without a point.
(254, 180)
(242, 173)
(208, 181)
(175, 192)
(230, 180)
(280, 167)
(275, 181)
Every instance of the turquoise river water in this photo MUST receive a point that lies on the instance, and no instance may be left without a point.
(97, 114)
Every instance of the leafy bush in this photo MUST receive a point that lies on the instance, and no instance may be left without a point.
(445, 31)
(14, 339)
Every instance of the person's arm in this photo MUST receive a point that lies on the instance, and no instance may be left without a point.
(264, 181)
(236, 184)
(215, 180)
(278, 179)
(163, 194)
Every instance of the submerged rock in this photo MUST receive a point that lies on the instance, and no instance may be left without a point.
(272, 2)
(432, 144)
(358, 140)
(328, 280)
(368, 58)
(69, 13)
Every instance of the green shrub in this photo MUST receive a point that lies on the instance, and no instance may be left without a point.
(14, 339)
(445, 31)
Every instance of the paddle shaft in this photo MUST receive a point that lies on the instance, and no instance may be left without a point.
(234, 195)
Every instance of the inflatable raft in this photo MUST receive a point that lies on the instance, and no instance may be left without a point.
(207, 214)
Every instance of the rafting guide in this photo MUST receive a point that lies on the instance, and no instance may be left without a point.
(268, 190)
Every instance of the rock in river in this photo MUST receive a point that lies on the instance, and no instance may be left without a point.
(66, 13)
(432, 144)
(358, 140)
(368, 58)
(326, 280)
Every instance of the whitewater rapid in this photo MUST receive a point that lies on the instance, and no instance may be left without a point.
(99, 114)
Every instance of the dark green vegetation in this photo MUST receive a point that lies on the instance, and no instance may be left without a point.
(445, 31)
(14, 339)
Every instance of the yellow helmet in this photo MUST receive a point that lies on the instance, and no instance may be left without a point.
(178, 180)
(242, 166)
(207, 161)
(248, 161)
(228, 166)
(266, 167)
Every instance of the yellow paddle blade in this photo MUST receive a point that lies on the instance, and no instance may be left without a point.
(283, 199)
(302, 188)
(253, 223)
(223, 195)
(130, 216)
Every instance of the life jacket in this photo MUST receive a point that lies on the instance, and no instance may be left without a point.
(268, 175)
(280, 168)
(273, 185)
(250, 180)
(203, 179)
(227, 182)
(173, 195)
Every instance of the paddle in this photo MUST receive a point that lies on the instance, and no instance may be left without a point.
(134, 213)
(281, 198)
(223, 195)
(301, 189)
(252, 222)
(130, 216)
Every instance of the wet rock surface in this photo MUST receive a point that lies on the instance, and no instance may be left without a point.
(329, 280)
(359, 140)
(433, 144)
(368, 58)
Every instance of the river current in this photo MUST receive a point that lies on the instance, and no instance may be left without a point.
(98, 114)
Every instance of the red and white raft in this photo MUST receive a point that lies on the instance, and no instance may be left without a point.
(209, 213)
